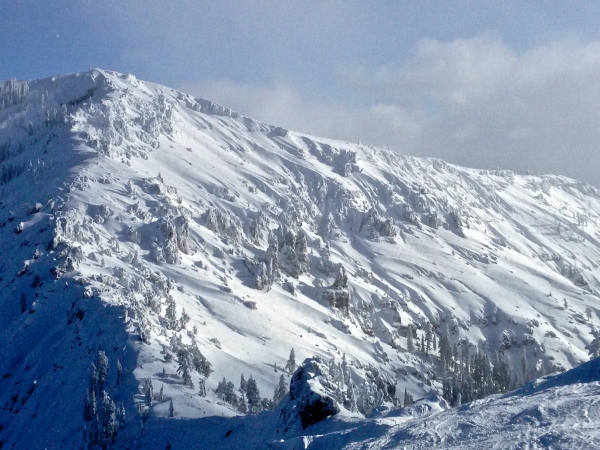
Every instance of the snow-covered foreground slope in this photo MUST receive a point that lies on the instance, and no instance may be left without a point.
(559, 412)
(125, 203)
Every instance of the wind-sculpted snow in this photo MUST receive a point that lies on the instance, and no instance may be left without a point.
(177, 236)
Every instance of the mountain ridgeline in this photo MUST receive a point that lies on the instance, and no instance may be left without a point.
(167, 258)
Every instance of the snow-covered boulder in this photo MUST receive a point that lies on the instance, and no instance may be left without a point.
(310, 399)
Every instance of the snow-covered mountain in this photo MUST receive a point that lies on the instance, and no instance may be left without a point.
(178, 245)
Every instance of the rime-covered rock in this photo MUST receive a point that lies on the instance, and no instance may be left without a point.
(311, 396)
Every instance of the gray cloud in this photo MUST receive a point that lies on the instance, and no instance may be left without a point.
(475, 102)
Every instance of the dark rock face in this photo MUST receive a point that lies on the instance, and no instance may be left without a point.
(316, 409)
(310, 399)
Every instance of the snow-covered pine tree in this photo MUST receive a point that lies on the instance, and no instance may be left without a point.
(199, 361)
(226, 391)
(445, 351)
(366, 399)
(90, 407)
(109, 424)
(408, 398)
(345, 369)
(201, 388)
(501, 374)
(594, 346)
(446, 389)
(301, 247)
(428, 335)
(171, 409)
(184, 367)
(291, 362)
(272, 261)
(101, 365)
(351, 402)
(341, 278)
(253, 396)
(90, 412)
(280, 391)
(148, 390)
(242, 388)
(184, 319)
(120, 374)
(524, 365)
(171, 313)
(121, 415)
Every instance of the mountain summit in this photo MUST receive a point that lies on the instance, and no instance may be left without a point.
(168, 258)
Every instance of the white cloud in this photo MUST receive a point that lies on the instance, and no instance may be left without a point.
(283, 106)
(470, 101)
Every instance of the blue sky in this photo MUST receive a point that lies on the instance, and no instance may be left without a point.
(510, 84)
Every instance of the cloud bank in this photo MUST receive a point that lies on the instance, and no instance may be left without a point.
(476, 102)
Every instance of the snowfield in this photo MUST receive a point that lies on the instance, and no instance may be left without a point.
(178, 246)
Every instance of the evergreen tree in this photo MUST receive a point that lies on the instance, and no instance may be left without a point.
(446, 389)
(119, 373)
(184, 369)
(171, 409)
(199, 362)
(524, 368)
(408, 398)
(272, 262)
(291, 363)
(102, 369)
(445, 351)
(466, 357)
(148, 391)
(253, 396)
(121, 418)
(410, 346)
(427, 338)
(226, 391)
(458, 401)
(345, 371)
(220, 390)
(241, 405)
(171, 313)
(201, 388)
(352, 402)
(108, 420)
(594, 346)
(341, 278)
(185, 318)
(90, 408)
(501, 374)
(242, 389)
(280, 391)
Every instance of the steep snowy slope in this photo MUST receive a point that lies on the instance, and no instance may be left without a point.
(156, 228)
